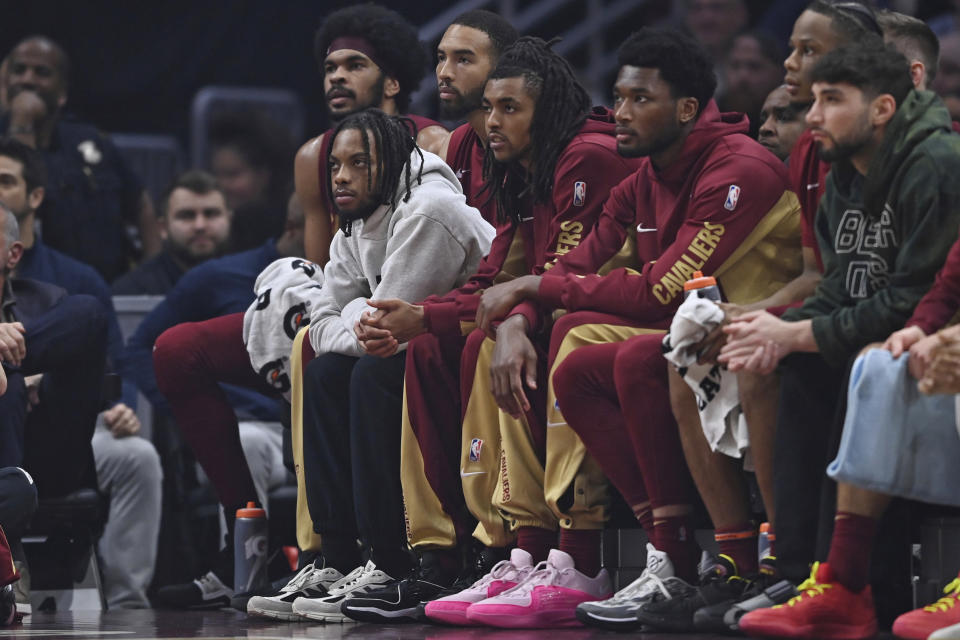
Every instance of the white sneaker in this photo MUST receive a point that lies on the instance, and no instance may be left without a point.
(947, 633)
(619, 612)
(547, 598)
(310, 582)
(504, 575)
(327, 608)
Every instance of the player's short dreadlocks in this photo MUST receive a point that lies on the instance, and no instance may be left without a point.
(394, 140)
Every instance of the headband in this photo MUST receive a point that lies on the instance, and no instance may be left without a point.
(357, 44)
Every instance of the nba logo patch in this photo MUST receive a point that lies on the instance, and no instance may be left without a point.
(475, 445)
(579, 193)
(732, 196)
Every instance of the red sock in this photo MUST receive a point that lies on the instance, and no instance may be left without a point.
(674, 536)
(740, 543)
(645, 518)
(851, 548)
(536, 541)
(583, 545)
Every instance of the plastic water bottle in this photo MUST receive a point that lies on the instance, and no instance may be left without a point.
(703, 286)
(249, 549)
(763, 541)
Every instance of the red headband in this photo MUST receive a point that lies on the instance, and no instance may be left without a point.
(357, 44)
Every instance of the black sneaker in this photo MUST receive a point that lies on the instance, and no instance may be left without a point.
(400, 601)
(8, 606)
(724, 617)
(478, 561)
(212, 590)
(721, 584)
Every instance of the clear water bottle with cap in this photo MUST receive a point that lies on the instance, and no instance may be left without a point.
(702, 286)
(249, 549)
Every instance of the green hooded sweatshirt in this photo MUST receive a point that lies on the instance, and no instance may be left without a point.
(884, 236)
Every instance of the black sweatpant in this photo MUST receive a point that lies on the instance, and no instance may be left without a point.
(813, 404)
(351, 448)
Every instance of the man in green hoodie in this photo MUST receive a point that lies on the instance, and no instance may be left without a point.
(887, 219)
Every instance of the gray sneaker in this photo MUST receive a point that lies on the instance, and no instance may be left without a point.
(619, 612)
(310, 582)
(327, 608)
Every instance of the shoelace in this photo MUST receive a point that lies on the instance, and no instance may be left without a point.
(347, 581)
(646, 584)
(810, 587)
(296, 583)
(543, 573)
(947, 602)
(498, 571)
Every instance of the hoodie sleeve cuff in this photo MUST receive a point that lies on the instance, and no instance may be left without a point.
(550, 292)
(531, 312)
(441, 318)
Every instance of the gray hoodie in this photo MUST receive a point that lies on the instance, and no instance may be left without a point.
(425, 246)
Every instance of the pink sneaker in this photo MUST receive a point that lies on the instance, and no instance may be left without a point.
(506, 574)
(547, 598)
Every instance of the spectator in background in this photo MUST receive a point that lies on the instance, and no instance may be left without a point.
(754, 67)
(63, 337)
(213, 289)
(781, 123)
(947, 82)
(195, 226)
(714, 24)
(128, 469)
(92, 197)
(251, 157)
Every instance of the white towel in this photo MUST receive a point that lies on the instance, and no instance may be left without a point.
(285, 292)
(718, 399)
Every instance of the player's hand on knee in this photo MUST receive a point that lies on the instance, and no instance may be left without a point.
(513, 365)
(901, 341)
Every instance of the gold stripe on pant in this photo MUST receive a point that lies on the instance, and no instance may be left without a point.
(428, 525)
(307, 539)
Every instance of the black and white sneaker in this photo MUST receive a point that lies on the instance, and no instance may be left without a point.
(401, 600)
(326, 608)
(310, 582)
(206, 592)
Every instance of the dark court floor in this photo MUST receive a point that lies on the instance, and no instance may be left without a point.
(227, 623)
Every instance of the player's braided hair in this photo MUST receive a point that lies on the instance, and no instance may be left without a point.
(394, 138)
(550, 80)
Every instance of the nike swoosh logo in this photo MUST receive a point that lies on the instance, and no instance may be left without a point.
(811, 187)
(556, 424)
(642, 229)
(464, 474)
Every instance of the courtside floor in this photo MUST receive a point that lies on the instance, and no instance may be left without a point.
(227, 623)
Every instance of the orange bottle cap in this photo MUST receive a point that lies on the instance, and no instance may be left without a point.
(765, 527)
(251, 511)
(699, 281)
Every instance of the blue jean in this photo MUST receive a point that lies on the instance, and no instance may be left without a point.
(68, 345)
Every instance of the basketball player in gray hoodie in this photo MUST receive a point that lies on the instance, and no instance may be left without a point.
(405, 232)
